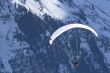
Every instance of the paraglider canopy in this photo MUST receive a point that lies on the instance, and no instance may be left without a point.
(65, 28)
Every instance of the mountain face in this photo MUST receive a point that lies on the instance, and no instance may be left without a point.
(26, 27)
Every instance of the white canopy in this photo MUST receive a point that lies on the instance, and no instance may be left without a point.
(67, 27)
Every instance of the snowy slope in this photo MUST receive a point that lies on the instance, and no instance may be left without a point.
(8, 29)
(48, 7)
(25, 28)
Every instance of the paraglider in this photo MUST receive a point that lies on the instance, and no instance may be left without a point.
(65, 28)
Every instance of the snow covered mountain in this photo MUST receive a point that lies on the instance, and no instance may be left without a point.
(26, 27)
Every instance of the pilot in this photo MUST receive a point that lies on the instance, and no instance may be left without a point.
(76, 64)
